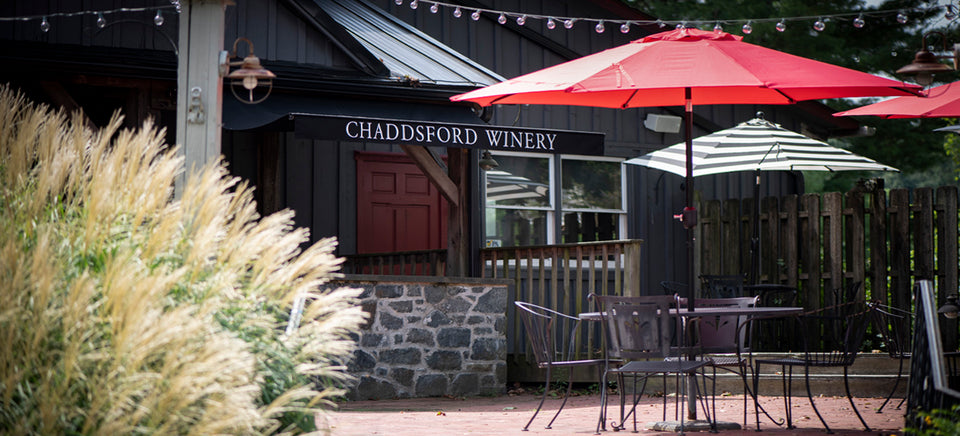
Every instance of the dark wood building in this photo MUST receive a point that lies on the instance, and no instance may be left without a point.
(383, 65)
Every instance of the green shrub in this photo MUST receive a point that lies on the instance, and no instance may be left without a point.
(123, 311)
(938, 422)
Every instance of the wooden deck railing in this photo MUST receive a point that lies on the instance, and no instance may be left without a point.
(560, 277)
(402, 263)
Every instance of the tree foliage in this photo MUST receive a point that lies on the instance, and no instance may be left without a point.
(881, 46)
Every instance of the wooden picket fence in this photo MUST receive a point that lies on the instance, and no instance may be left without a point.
(818, 243)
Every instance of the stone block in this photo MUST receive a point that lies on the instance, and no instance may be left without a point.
(371, 340)
(420, 336)
(494, 301)
(455, 337)
(370, 307)
(437, 319)
(431, 385)
(414, 291)
(455, 305)
(403, 376)
(465, 384)
(366, 290)
(483, 331)
(362, 361)
(489, 349)
(371, 388)
(434, 294)
(402, 356)
(389, 291)
(390, 322)
(401, 306)
(445, 361)
(476, 319)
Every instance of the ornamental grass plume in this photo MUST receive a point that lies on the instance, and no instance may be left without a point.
(123, 311)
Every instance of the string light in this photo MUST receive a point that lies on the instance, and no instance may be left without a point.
(819, 25)
(502, 19)
(858, 22)
(858, 18)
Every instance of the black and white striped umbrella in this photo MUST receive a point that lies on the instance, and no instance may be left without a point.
(502, 186)
(757, 145)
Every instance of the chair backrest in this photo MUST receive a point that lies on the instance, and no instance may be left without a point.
(835, 334)
(541, 326)
(671, 288)
(724, 334)
(722, 286)
(893, 326)
(638, 327)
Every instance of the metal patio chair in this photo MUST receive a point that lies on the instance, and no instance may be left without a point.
(722, 286)
(832, 337)
(639, 331)
(893, 327)
(543, 332)
(724, 341)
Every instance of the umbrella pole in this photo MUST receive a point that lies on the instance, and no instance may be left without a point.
(689, 212)
(690, 222)
(755, 236)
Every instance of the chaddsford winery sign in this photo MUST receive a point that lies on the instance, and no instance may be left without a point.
(455, 135)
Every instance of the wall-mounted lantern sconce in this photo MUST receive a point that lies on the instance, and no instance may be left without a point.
(925, 64)
(487, 162)
(950, 309)
(250, 76)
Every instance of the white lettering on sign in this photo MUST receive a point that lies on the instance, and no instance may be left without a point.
(522, 140)
(448, 135)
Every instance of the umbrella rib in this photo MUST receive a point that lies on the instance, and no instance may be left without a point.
(626, 103)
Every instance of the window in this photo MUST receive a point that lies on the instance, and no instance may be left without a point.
(523, 208)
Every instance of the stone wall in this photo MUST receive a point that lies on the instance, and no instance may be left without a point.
(430, 336)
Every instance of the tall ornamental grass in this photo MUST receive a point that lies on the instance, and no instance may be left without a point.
(124, 312)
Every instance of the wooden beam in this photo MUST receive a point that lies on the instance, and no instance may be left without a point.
(434, 172)
(458, 220)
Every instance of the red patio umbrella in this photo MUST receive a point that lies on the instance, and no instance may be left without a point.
(686, 67)
(940, 102)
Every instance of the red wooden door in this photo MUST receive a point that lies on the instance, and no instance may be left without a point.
(398, 209)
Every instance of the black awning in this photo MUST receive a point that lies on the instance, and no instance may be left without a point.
(400, 123)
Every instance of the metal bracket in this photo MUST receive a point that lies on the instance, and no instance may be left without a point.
(195, 113)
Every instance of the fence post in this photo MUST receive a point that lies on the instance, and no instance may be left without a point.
(878, 240)
(631, 270)
(947, 229)
(810, 249)
(854, 235)
(899, 247)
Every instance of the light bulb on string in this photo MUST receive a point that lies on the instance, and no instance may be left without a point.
(521, 20)
(551, 24)
(568, 23)
(414, 4)
(856, 59)
(781, 25)
(717, 27)
(475, 15)
(902, 17)
(502, 19)
(858, 22)
(44, 25)
(398, 2)
(819, 25)
(599, 27)
(101, 22)
(747, 28)
(434, 8)
(625, 28)
(661, 24)
(158, 19)
(680, 26)
(457, 13)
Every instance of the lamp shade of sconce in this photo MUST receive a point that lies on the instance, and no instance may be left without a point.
(926, 64)
(249, 76)
(950, 309)
(487, 162)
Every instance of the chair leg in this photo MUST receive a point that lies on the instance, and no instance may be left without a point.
(806, 376)
(787, 379)
(756, 394)
(546, 389)
(846, 385)
(895, 384)
(567, 396)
